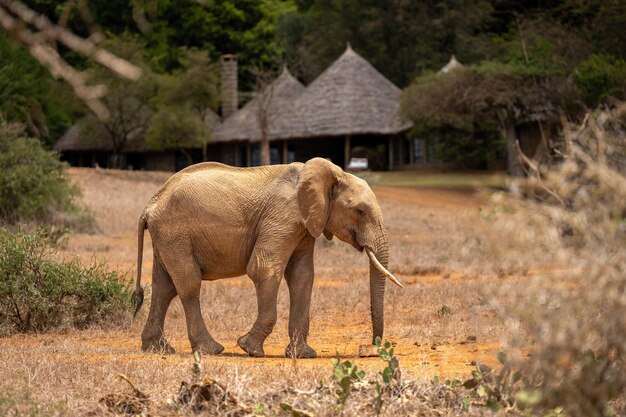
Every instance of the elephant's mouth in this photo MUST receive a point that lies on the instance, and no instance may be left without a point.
(354, 242)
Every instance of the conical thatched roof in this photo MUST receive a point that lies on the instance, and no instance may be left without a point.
(451, 65)
(351, 97)
(244, 123)
(75, 140)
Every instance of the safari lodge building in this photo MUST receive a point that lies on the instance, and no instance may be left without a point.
(349, 111)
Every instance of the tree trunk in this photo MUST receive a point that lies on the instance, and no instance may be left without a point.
(187, 156)
(265, 148)
(514, 165)
(116, 160)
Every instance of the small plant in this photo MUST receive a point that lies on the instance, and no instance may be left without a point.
(345, 374)
(392, 371)
(196, 370)
(38, 293)
(445, 310)
(497, 389)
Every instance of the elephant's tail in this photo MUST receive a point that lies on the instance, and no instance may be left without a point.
(138, 293)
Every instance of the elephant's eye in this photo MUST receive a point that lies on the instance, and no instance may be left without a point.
(360, 212)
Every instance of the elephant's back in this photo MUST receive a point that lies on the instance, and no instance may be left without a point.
(211, 187)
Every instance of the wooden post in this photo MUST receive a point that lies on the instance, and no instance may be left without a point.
(346, 151)
(412, 151)
(402, 143)
(285, 153)
(248, 154)
(390, 146)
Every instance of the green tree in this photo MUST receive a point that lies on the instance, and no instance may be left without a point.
(400, 37)
(488, 97)
(601, 76)
(184, 106)
(29, 95)
(245, 27)
(177, 127)
(128, 102)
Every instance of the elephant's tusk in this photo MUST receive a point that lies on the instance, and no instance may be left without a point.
(382, 269)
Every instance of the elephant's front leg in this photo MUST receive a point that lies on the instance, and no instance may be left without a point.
(267, 294)
(299, 275)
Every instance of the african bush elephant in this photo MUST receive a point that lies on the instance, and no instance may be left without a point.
(212, 221)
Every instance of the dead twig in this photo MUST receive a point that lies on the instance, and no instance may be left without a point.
(15, 17)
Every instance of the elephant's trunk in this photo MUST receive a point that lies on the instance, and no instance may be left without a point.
(378, 253)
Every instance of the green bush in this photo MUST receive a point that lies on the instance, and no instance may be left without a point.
(38, 293)
(600, 76)
(33, 185)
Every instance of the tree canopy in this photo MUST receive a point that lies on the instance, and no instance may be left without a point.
(578, 43)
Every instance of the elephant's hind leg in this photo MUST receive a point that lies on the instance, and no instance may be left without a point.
(187, 278)
(163, 291)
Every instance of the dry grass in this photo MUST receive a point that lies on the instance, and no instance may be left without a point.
(441, 322)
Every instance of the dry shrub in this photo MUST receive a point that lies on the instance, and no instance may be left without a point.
(573, 217)
(348, 391)
(122, 403)
(15, 403)
(38, 293)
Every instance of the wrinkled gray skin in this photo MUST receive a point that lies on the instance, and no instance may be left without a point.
(212, 221)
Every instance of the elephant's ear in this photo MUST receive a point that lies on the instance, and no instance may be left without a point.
(314, 191)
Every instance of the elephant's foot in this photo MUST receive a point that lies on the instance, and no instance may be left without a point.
(207, 347)
(300, 350)
(157, 346)
(251, 347)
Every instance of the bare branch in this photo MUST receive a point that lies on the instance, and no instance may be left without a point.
(86, 47)
(534, 169)
(567, 134)
(49, 57)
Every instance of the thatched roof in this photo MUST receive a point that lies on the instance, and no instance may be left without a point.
(451, 65)
(244, 123)
(351, 97)
(77, 139)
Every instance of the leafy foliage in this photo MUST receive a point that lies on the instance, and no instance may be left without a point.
(184, 105)
(38, 293)
(400, 37)
(403, 39)
(33, 184)
(601, 76)
(488, 98)
(30, 96)
(345, 374)
(391, 372)
(127, 101)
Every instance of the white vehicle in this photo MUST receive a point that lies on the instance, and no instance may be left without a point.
(358, 163)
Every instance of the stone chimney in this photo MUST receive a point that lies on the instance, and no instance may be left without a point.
(229, 88)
